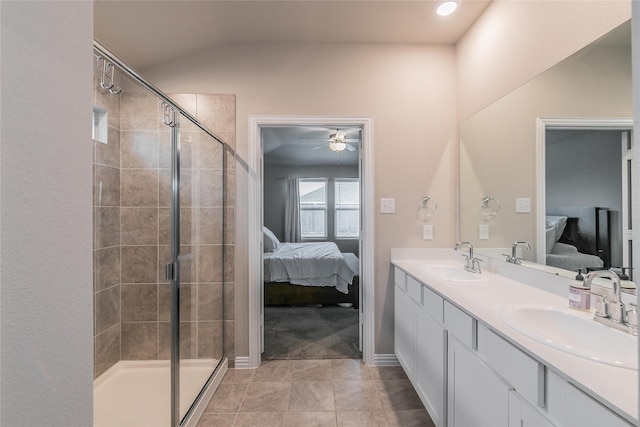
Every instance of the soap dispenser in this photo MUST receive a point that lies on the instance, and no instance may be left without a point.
(579, 296)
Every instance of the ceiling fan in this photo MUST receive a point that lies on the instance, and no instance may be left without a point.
(338, 142)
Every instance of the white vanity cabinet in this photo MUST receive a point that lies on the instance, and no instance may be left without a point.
(421, 342)
(405, 329)
(477, 397)
(468, 374)
(521, 414)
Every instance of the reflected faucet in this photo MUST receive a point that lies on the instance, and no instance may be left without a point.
(513, 259)
(471, 263)
(611, 313)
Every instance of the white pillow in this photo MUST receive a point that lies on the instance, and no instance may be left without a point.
(269, 240)
(558, 223)
(551, 238)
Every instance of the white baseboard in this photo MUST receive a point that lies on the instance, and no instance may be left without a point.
(242, 362)
(385, 360)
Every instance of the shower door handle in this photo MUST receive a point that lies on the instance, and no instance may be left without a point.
(170, 271)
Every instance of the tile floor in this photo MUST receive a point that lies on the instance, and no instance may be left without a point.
(310, 393)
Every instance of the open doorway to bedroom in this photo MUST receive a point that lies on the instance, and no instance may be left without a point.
(311, 214)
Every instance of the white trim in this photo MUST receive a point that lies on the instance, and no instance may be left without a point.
(558, 123)
(242, 362)
(386, 360)
(255, 222)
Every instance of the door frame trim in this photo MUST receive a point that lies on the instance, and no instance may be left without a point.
(254, 230)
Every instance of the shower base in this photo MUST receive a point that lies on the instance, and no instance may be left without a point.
(138, 393)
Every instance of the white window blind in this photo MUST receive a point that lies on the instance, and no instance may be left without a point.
(313, 208)
(347, 208)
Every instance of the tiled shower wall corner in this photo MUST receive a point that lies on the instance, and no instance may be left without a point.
(132, 187)
(106, 229)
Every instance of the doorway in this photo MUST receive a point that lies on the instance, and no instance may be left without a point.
(364, 246)
(596, 205)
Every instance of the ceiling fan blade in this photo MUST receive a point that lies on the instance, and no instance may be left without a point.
(319, 146)
(352, 140)
(350, 147)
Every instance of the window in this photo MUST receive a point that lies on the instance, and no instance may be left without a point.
(313, 208)
(347, 208)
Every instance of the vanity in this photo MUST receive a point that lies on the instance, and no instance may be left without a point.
(488, 349)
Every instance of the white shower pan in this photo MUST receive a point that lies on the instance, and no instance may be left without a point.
(138, 393)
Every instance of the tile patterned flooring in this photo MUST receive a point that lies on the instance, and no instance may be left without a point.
(310, 393)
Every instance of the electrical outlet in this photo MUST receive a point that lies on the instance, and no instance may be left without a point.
(387, 205)
(427, 232)
(523, 205)
(483, 232)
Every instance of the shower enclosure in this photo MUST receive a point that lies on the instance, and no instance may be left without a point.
(159, 258)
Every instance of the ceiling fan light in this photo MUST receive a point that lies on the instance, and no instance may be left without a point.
(337, 145)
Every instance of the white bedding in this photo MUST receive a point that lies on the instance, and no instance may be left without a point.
(567, 257)
(309, 264)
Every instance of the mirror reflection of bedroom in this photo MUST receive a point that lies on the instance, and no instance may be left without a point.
(587, 196)
(311, 237)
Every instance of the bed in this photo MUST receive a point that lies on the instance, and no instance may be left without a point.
(308, 273)
(578, 238)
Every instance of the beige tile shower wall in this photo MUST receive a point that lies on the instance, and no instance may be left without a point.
(141, 187)
(106, 253)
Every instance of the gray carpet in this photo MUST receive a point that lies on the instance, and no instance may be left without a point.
(310, 332)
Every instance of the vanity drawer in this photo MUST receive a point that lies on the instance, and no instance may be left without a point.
(414, 289)
(400, 278)
(459, 324)
(433, 303)
(522, 372)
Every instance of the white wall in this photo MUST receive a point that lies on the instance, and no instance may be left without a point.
(46, 217)
(408, 90)
(514, 41)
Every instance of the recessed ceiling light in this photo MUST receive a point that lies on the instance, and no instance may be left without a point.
(446, 8)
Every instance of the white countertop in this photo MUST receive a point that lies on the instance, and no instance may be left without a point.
(615, 387)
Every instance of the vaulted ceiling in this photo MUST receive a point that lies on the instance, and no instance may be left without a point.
(147, 33)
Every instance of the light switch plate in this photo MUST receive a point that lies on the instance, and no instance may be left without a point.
(483, 232)
(387, 205)
(523, 205)
(427, 232)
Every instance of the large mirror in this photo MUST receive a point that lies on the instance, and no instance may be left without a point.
(546, 164)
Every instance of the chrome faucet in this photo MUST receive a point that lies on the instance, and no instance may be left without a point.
(513, 259)
(471, 263)
(611, 313)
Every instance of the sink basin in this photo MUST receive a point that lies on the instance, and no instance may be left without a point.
(574, 333)
(453, 272)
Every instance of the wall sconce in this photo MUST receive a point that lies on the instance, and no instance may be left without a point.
(427, 208)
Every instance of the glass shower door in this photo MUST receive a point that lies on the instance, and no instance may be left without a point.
(201, 259)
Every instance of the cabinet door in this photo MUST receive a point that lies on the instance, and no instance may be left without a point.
(431, 365)
(405, 330)
(477, 397)
(523, 415)
(583, 411)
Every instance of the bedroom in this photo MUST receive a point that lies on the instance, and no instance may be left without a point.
(311, 205)
(587, 201)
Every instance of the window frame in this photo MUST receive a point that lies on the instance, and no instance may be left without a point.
(356, 236)
(325, 181)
